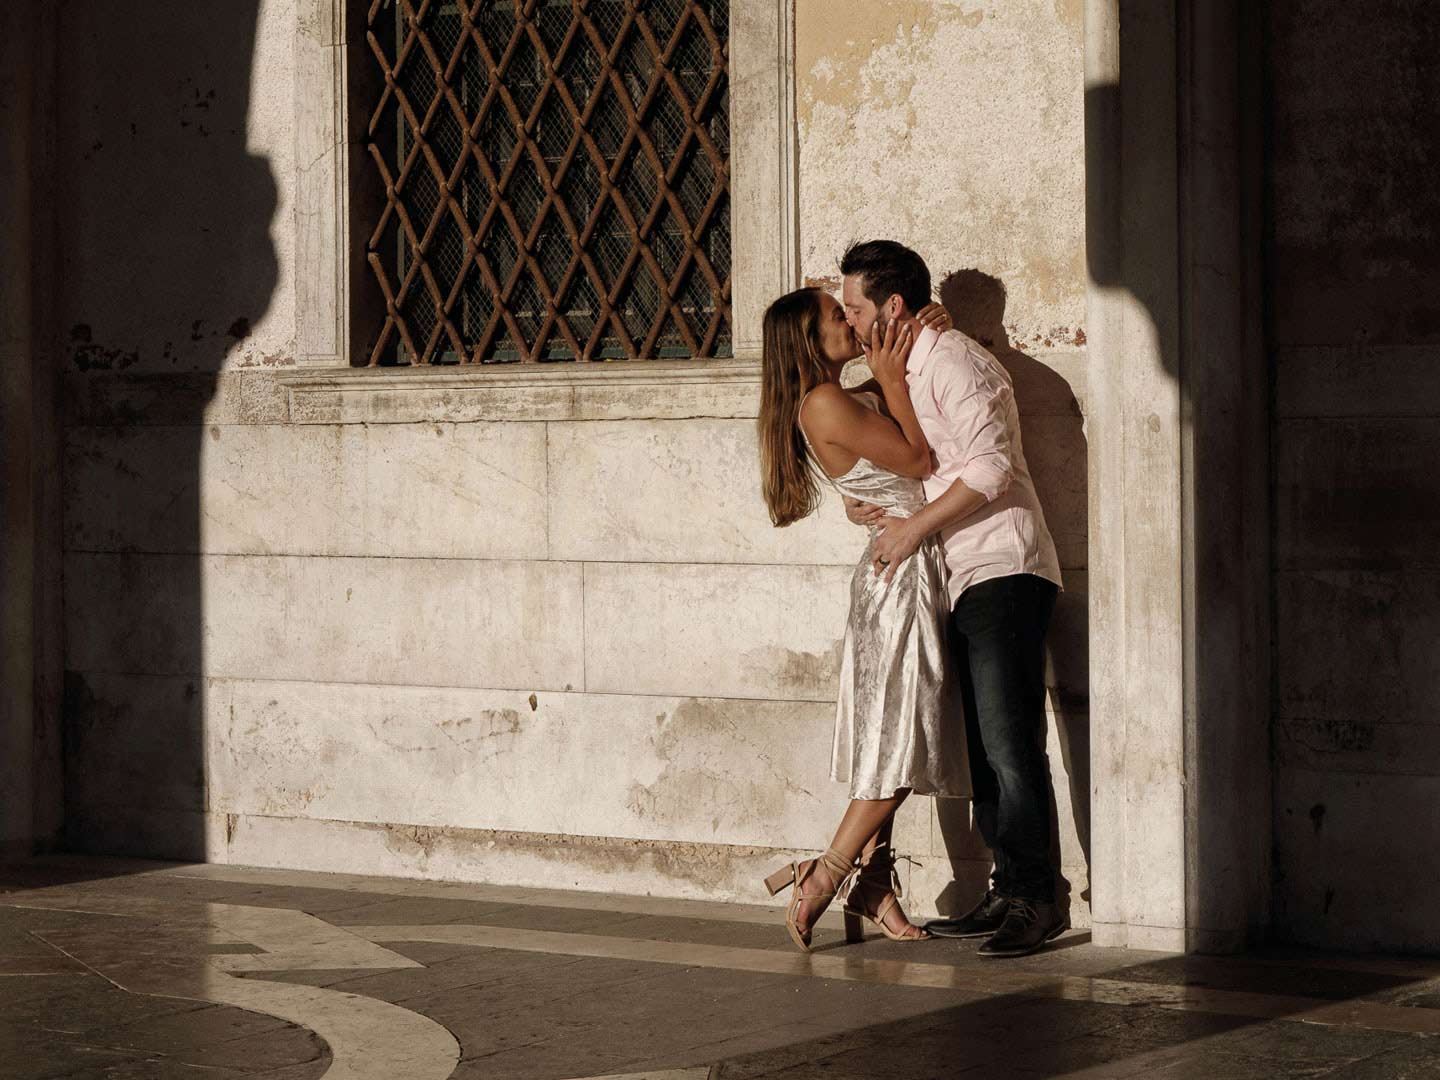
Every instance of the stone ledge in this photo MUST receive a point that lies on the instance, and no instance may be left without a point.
(1050, 384)
(621, 390)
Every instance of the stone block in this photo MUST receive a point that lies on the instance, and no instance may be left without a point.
(954, 834)
(132, 489)
(1357, 494)
(143, 832)
(130, 398)
(134, 613)
(133, 742)
(664, 769)
(422, 490)
(911, 835)
(508, 625)
(541, 860)
(678, 491)
(1359, 382)
(1355, 861)
(619, 390)
(941, 886)
(1358, 744)
(1357, 649)
(715, 631)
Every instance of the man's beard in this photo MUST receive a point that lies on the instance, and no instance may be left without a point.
(877, 331)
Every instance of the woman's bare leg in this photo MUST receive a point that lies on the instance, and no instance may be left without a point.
(881, 835)
(863, 821)
(875, 885)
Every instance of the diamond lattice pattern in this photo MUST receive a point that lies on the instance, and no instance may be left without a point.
(557, 179)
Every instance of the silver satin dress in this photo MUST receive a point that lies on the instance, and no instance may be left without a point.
(899, 721)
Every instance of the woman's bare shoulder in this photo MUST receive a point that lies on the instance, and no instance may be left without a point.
(827, 404)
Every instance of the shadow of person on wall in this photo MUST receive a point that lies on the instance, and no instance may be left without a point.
(167, 266)
(1056, 453)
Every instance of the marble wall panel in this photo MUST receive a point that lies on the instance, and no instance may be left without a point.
(715, 631)
(1355, 864)
(418, 490)
(1357, 380)
(686, 769)
(509, 625)
(1357, 493)
(133, 740)
(144, 832)
(678, 491)
(1356, 649)
(541, 860)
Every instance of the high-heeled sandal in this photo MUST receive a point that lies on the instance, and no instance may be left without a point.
(877, 871)
(842, 875)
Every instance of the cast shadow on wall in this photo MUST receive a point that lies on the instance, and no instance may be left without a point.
(1053, 436)
(167, 265)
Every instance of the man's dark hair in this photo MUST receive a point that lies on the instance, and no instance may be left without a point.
(885, 268)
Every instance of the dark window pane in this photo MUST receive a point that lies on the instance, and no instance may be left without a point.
(555, 193)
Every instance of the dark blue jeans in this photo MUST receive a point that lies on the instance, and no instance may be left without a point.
(999, 638)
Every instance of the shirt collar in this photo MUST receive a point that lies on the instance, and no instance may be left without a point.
(920, 352)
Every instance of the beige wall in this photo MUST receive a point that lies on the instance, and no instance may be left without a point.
(958, 128)
(509, 627)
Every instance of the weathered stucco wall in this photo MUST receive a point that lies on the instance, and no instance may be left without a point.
(1354, 277)
(509, 628)
(175, 189)
(958, 128)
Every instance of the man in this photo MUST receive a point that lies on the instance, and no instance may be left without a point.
(1004, 577)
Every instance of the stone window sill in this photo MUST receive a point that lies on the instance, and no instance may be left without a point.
(619, 390)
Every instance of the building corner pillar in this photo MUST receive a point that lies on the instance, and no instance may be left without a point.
(1178, 480)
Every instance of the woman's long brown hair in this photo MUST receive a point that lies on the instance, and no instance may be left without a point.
(791, 366)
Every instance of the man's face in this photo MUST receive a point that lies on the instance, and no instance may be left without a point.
(863, 315)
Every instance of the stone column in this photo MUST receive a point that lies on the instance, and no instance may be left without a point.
(30, 767)
(1179, 480)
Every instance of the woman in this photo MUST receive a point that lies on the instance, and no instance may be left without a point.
(896, 727)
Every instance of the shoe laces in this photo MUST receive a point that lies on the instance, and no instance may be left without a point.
(885, 858)
(1022, 909)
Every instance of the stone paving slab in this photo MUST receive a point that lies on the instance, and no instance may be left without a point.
(116, 968)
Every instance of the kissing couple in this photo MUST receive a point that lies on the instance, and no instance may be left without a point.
(942, 686)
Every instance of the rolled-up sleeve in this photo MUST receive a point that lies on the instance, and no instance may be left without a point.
(977, 406)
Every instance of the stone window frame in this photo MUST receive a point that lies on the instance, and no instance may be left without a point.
(763, 187)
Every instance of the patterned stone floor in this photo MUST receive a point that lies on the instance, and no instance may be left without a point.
(125, 969)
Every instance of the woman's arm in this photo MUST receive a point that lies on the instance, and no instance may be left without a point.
(931, 317)
(833, 417)
(887, 363)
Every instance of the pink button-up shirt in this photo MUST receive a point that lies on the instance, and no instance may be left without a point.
(965, 403)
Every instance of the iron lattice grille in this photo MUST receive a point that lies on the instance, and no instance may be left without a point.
(557, 179)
